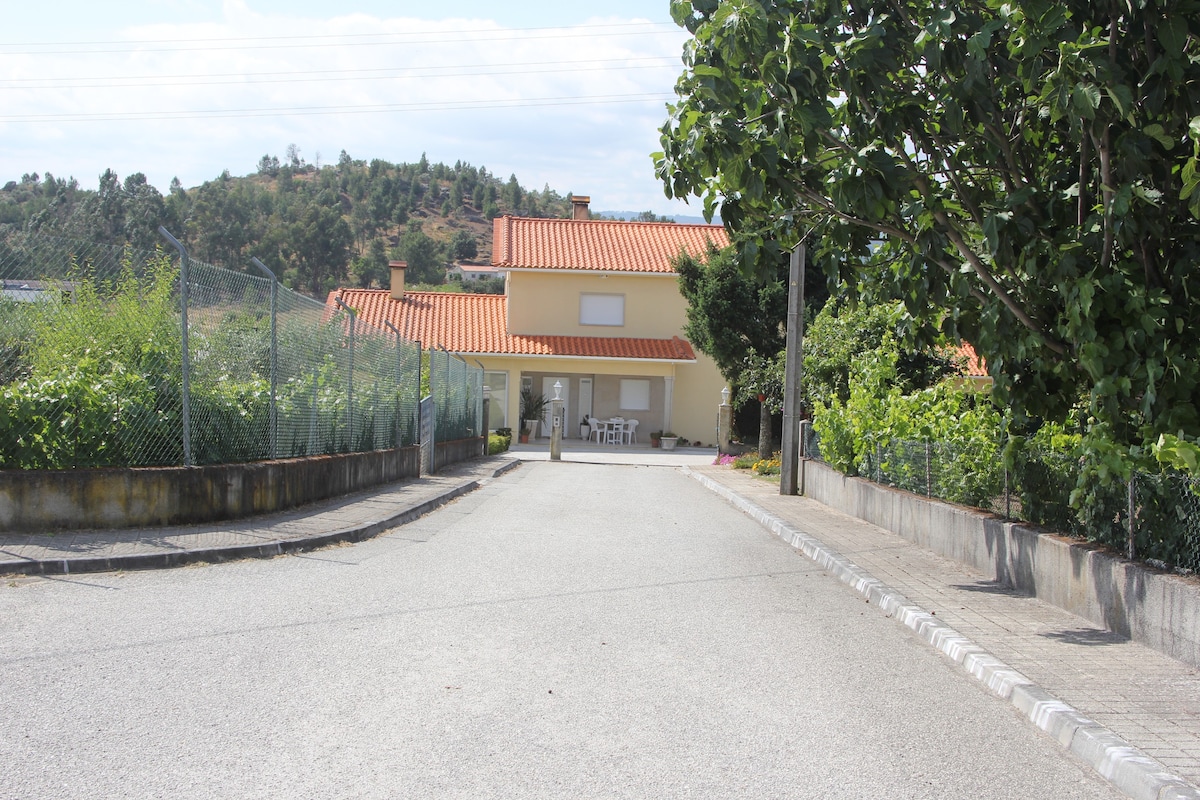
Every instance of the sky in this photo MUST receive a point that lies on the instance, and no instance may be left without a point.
(566, 94)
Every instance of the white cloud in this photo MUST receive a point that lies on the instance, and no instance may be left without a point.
(575, 106)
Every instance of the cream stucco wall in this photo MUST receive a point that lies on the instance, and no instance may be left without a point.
(697, 398)
(695, 390)
(548, 303)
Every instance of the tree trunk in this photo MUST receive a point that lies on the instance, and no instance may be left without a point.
(764, 431)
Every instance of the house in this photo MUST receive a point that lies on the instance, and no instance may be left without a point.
(23, 291)
(467, 273)
(591, 305)
(974, 377)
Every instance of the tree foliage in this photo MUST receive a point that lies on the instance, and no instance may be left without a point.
(729, 313)
(737, 321)
(842, 335)
(1020, 174)
(315, 227)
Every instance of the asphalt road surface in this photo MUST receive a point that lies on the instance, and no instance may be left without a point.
(568, 631)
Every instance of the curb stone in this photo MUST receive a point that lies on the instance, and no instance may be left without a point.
(1124, 766)
(179, 558)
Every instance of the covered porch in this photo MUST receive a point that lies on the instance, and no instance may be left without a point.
(645, 398)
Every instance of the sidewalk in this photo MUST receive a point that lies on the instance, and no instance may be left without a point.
(1129, 711)
(346, 519)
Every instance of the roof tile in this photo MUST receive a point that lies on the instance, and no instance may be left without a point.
(647, 247)
(973, 365)
(475, 323)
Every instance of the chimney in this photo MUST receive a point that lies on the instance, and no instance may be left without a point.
(397, 268)
(579, 206)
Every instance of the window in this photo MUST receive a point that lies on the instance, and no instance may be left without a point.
(497, 383)
(635, 395)
(601, 309)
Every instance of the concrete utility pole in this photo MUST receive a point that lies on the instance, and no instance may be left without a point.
(790, 468)
(556, 423)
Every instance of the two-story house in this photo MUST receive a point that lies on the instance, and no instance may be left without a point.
(591, 305)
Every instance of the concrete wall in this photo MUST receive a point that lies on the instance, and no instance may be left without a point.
(154, 496)
(697, 397)
(1157, 609)
(541, 303)
(447, 453)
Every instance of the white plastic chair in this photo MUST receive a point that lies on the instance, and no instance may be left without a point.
(616, 430)
(629, 435)
(597, 430)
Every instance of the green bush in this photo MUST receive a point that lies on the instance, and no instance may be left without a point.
(498, 444)
(745, 461)
(876, 431)
(97, 384)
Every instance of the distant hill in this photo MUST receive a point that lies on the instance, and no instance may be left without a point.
(316, 227)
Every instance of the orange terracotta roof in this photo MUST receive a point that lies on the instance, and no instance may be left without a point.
(646, 247)
(973, 365)
(475, 323)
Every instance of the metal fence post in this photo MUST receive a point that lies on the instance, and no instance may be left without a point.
(274, 412)
(1007, 495)
(349, 379)
(186, 415)
(1130, 550)
(485, 422)
(312, 419)
(928, 471)
(417, 393)
(399, 373)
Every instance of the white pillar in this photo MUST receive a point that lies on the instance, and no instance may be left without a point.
(668, 401)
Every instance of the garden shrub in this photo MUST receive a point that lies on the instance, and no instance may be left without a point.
(745, 461)
(98, 380)
(872, 431)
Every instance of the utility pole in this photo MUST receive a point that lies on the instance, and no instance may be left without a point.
(792, 374)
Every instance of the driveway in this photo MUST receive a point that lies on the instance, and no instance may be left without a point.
(569, 630)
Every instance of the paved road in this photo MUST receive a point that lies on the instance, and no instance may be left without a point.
(570, 630)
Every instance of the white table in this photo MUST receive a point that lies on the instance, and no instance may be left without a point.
(614, 430)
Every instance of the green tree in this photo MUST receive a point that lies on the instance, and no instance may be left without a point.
(731, 315)
(268, 166)
(318, 247)
(1021, 174)
(144, 212)
(463, 246)
(841, 335)
(423, 255)
(371, 268)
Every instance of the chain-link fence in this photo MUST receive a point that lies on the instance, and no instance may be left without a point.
(107, 358)
(457, 391)
(1152, 516)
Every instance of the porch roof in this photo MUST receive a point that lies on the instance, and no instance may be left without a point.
(475, 324)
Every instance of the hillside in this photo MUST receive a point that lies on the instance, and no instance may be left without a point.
(315, 227)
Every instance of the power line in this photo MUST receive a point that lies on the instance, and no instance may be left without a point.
(320, 36)
(490, 35)
(296, 111)
(240, 78)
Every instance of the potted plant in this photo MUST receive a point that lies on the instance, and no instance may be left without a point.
(669, 440)
(585, 430)
(655, 438)
(533, 406)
